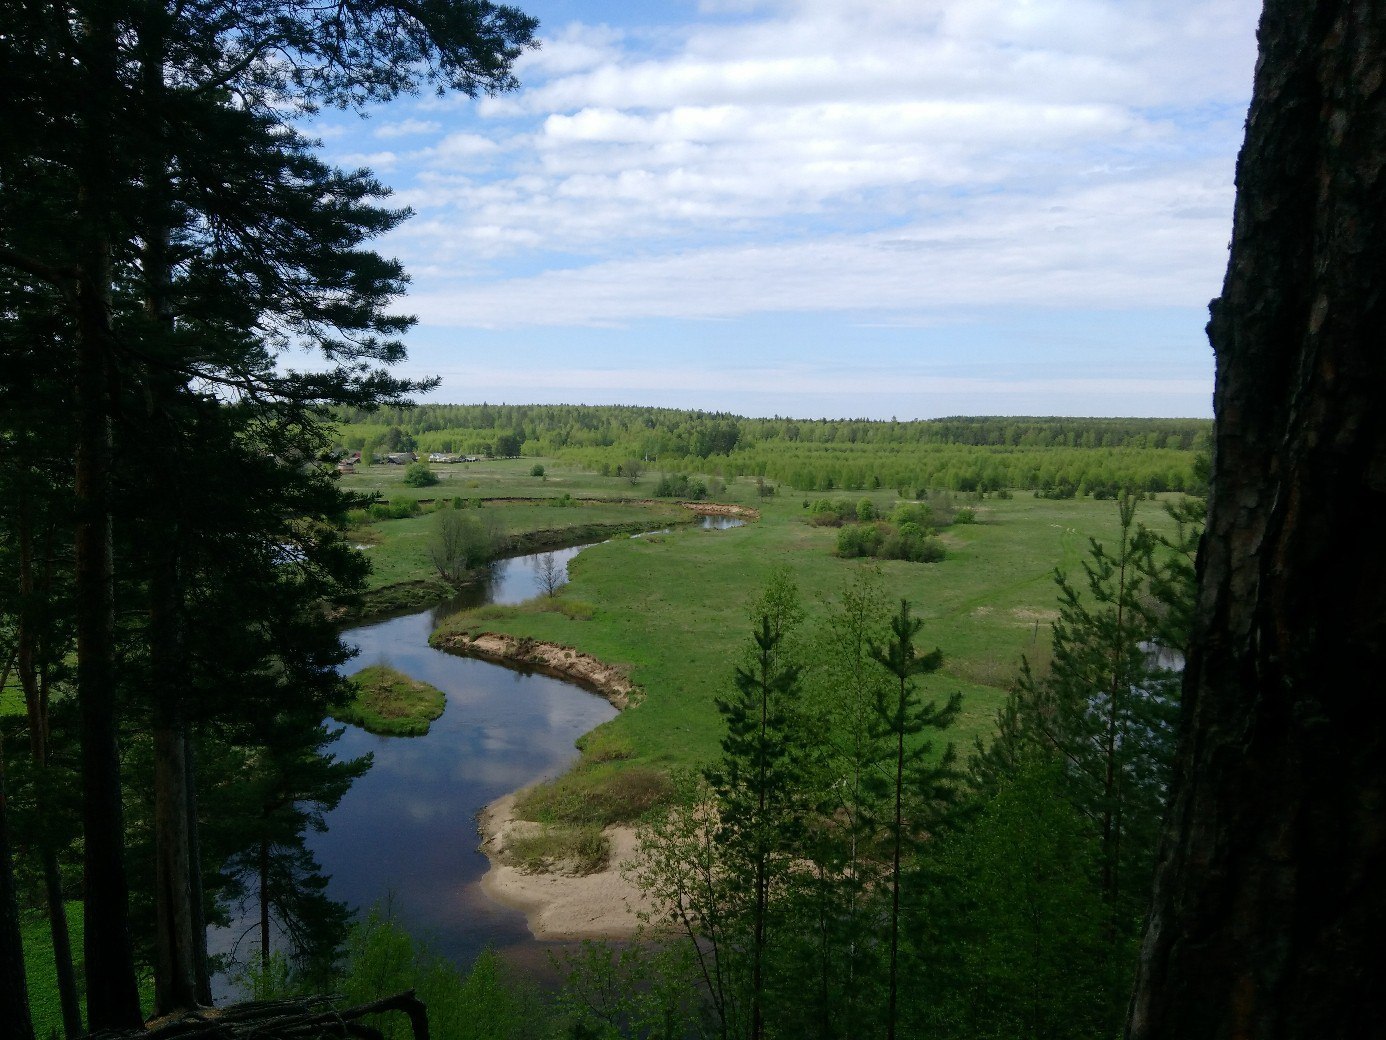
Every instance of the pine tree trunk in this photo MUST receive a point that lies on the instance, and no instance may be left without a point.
(112, 995)
(176, 977)
(264, 904)
(1268, 895)
(199, 916)
(179, 950)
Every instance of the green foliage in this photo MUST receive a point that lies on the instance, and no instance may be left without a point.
(771, 862)
(396, 440)
(537, 470)
(861, 540)
(634, 990)
(901, 538)
(1010, 922)
(680, 485)
(908, 773)
(1108, 706)
(1102, 722)
(482, 1004)
(418, 474)
(397, 508)
(595, 794)
(464, 540)
(558, 849)
(389, 703)
(971, 455)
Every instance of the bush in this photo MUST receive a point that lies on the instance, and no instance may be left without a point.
(965, 516)
(832, 512)
(860, 540)
(482, 1004)
(537, 471)
(417, 474)
(907, 541)
(462, 542)
(921, 514)
(680, 485)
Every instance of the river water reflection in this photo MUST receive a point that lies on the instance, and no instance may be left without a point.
(407, 829)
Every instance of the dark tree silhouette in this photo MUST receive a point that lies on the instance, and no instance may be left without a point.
(1268, 898)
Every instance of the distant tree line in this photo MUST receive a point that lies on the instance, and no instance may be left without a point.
(1055, 457)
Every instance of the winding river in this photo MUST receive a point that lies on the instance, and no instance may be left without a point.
(406, 830)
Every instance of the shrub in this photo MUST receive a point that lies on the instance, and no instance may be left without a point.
(860, 540)
(680, 485)
(417, 474)
(537, 470)
(920, 514)
(832, 512)
(965, 516)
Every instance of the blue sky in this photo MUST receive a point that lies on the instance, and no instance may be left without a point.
(876, 208)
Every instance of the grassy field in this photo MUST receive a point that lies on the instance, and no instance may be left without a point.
(390, 703)
(11, 700)
(529, 513)
(499, 478)
(42, 976)
(399, 549)
(674, 610)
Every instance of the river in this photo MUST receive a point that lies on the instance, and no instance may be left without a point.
(406, 830)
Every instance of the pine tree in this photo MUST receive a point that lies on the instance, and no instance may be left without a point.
(909, 772)
(1108, 708)
(192, 235)
(758, 791)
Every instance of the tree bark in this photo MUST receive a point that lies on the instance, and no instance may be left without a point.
(112, 994)
(1268, 897)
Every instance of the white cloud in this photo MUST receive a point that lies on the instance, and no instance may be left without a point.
(1149, 243)
(408, 128)
(379, 162)
(827, 154)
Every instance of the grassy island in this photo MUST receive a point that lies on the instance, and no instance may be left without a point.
(390, 703)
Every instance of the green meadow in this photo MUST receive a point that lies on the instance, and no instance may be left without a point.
(673, 609)
(528, 513)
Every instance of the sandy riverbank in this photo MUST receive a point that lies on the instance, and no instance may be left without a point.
(561, 906)
(562, 662)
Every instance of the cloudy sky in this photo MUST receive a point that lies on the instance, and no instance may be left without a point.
(877, 208)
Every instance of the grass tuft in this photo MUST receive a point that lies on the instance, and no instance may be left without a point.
(559, 850)
(596, 793)
(390, 703)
